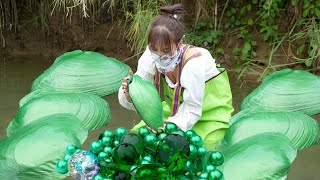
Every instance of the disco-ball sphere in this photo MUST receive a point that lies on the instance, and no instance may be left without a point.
(83, 165)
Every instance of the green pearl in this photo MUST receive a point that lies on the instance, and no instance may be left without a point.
(216, 158)
(116, 143)
(190, 134)
(106, 141)
(202, 151)
(209, 168)
(67, 157)
(124, 156)
(215, 175)
(96, 147)
(71, 149)
(170, 127)
(193, 151)
(143, 132)
(196, 140)
(203, 175)
(145, 162)
(135, 140)
(103, 156)
(62, 167)
(108, 150)
(150, 141)
(108, 133)
(98, 177)
(162, 136)
(120, 132)
(149, 158)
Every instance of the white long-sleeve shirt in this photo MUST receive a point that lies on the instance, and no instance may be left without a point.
(193, 77)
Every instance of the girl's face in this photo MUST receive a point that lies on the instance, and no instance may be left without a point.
(165, 54)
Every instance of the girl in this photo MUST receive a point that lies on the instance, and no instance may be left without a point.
(197, 93)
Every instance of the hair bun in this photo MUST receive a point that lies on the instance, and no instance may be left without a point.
(173, 10)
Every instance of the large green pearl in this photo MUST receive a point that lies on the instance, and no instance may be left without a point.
(170, 127)
(124, 156)
(108, 133)
(202, 151)
(143, 132)
(120, 132)
(196, 140)
(135, 140)
(106, 141)
(62, 167)
(98, 177)
(71, 149)
(215, 175)
(216, 158)
(96, 147)
(173, 152)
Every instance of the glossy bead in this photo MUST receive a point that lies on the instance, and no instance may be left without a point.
(71, 149)
(108, 133)
(202, 151)
(190, 134)
(161, 136)
(209, 168)
(102, 156)
(196, 140)
(148, 158)
(62, 167)
(193, 151)
(66, 157)
(173, 152)
(203, 175)
(216, 158)
(170, 127)
(143, 132)
(108, 151)
(120, 132)
(150, 141)
(115, 143)
(96, 147)
(106, 141)
(215, 175)
(98, 177)
(124, 156)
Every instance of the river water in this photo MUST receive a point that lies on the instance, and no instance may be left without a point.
(18, 73)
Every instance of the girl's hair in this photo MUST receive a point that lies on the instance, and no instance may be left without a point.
(166, 29)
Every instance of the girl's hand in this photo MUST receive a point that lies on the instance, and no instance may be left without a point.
(125, 86)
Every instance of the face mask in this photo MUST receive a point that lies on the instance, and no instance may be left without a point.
(166, 63)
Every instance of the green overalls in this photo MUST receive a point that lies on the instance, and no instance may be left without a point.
(216, 108)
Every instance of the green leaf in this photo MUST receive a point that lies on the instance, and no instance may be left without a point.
(209, 39)
(306, 12)
(253, 43)
(236, 50)
(216, 41)
(254, 1)
(242, 11)
(294, 2)
(317, 11)
(249, 7)
(246, 47)
(220, 51)
(301, 49)
(250, 21)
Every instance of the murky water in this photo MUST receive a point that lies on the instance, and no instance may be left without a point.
(18, 73)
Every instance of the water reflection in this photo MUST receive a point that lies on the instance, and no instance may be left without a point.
(18, 73)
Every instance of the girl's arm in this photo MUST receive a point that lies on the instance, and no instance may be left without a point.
(146, 70)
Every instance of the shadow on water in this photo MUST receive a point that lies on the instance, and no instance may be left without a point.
(18, 73)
